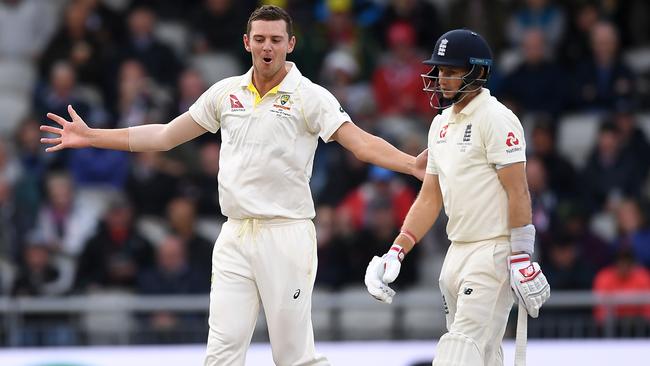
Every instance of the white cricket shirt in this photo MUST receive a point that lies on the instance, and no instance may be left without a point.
(268, 142)
(465, 150)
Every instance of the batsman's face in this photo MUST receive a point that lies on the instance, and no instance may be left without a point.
(450, 79)
(269, 44)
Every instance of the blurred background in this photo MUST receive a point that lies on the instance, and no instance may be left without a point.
(110, 248)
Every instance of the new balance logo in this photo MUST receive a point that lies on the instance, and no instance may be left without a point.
(443, 47)
(468, 291)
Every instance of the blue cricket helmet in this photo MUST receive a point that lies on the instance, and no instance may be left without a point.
(458, 48)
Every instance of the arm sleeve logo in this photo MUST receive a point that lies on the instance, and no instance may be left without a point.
(512, 140)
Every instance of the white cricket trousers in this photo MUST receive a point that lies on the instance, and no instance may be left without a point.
(475, 284)
(267, 262)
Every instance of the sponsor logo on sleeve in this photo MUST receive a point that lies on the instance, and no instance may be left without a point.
(513, 143)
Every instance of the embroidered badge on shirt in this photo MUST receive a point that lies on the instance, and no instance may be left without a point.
(285, 102)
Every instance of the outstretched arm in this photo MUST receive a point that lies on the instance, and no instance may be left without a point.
(152, 137)
(375, 150)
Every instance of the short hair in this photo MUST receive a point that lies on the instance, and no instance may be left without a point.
(270, 12)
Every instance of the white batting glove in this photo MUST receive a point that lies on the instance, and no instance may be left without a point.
(528, 283)
(382, 271)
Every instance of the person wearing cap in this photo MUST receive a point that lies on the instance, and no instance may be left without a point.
(476, 169)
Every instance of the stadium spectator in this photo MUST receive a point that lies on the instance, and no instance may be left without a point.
(333, 262)
(564, 269)
(633, 233)
(143, 46)
(610, 173)
(560, 173)
(114, 256)
(538, 84)
(396, 82)
(625, 276)
(181, 215)
(603, 80)
(540, 14)
(153, 181)
(383, 184)
(423, 16)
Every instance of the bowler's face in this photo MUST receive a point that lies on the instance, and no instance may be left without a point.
(269, 44)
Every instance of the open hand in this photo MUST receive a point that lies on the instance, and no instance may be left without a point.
(72, 134)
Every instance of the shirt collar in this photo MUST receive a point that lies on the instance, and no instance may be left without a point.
(288, 85)
(474, 104)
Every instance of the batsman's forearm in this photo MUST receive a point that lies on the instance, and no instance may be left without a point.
(422, 215)
(519, 209)
(381, 153)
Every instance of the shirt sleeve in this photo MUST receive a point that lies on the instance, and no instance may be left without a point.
(504, 139)
(323, 113)
(432, 167)
(206, 111)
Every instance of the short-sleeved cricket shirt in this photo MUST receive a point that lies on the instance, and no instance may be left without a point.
(268, 142)
(465, 150)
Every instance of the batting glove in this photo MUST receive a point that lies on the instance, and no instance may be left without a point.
(382, 271)
(528, 283)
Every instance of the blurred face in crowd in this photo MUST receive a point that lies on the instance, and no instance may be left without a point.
(325, 217)
(28, 136)
(5, 191)
(171, 255)
(542, 141)
(191, 85)
(586, 17)
(608, 142)
(119, 217)
(218, 6)
(269, 43)
(75, 18)
(133, 80)
(604, 42)
(401, 39)
(629, 216)
(181, 214)
(534, 46)
(62, 78)
(536, 175)
(36, 257)
(141, 23)
(3, 155)
(564, 255)
(59, 190)
(210, 159)
(625, 123)
(536, 4)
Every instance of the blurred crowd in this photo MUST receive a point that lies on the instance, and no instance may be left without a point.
(90, 220)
